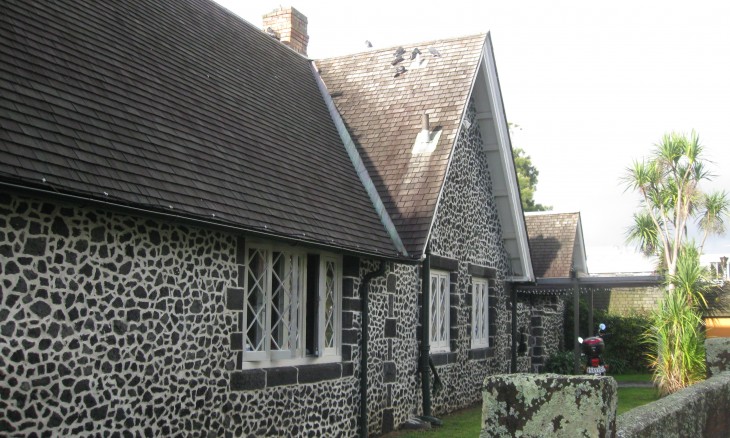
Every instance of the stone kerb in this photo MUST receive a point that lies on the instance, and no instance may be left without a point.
(717, 352)
(548, 405)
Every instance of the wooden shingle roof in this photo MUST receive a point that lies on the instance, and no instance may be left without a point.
(383, 111)
(552, 239)
(176, 106)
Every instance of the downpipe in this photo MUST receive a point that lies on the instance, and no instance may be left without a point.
(425, 339)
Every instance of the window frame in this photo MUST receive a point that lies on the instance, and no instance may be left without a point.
(267, 356)
(441, 319)
(480, 303)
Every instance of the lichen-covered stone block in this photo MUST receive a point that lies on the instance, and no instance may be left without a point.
(537, 405)
(717, 352)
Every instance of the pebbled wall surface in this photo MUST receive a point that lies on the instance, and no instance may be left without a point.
(467, 229)
(115, 325)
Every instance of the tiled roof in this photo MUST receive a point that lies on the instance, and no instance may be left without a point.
(552, 242)
(383, 115)
(178, 106)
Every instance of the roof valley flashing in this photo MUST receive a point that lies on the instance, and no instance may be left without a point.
(357, 162)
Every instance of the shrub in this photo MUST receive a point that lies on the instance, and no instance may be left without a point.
(626, 350)
(677, 335)
(560, 363)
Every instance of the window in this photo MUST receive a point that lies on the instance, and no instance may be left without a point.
(439, 327)
(480, 313)
(291, 304)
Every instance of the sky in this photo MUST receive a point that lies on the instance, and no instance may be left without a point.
(592, 87)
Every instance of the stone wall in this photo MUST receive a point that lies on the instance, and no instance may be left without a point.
(112, 323)
(627, 301)
(394, 392)
(717, 352)
(466, 236)
(540, 328)
(700, 410)
(548, 405)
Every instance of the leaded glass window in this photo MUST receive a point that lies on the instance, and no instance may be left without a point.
(480, 313)
(439, 327)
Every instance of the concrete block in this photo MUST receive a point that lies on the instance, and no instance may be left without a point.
(548, 404)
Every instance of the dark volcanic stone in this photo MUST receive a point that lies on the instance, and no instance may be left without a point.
(133, 315)
(97, 234)
(81, 386)
(55, 420)
(11, 268)
(114, 355)
(18, 223)
(125, 268)
(18, 356)
(59, 227)
(119, 327)
(8, 329)
(21, 286)
(140, 292)
(35, 246)
(6, 251)
(6, 426)
(81, 246)
(41, 309)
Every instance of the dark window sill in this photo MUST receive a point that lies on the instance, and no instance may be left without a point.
(440, 359)
(260, 378)
(481, 353)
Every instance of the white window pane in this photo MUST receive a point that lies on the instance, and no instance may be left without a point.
(285, 292)
(256, 300)
(439, 307)
(480, 313)
(329, 305)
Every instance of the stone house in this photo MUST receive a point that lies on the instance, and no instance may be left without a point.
(559, 259)
(204, 232)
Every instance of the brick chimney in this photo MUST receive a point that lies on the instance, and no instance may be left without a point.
(289, 26)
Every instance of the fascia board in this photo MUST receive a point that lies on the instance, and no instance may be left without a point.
(505, 144)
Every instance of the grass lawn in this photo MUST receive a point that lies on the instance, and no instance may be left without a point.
(629, 398)
(467, 422)
(633, 378)
(461, 424)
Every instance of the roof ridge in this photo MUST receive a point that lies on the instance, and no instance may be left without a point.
(482, 35)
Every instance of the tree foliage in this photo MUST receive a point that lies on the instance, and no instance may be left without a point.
(669, 185)
(527, 178)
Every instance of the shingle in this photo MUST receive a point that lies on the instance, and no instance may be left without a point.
(552, 241)
(174, 101)
(383, 115)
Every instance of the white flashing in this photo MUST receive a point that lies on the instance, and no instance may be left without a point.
(426, 142)
(357, 162)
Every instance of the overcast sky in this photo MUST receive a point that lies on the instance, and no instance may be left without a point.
(592, 86)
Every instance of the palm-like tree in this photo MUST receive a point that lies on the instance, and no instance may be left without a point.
(715, 207)
(668, 184)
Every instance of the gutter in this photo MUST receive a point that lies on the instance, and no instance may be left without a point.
(364, 290)
(152, 212)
